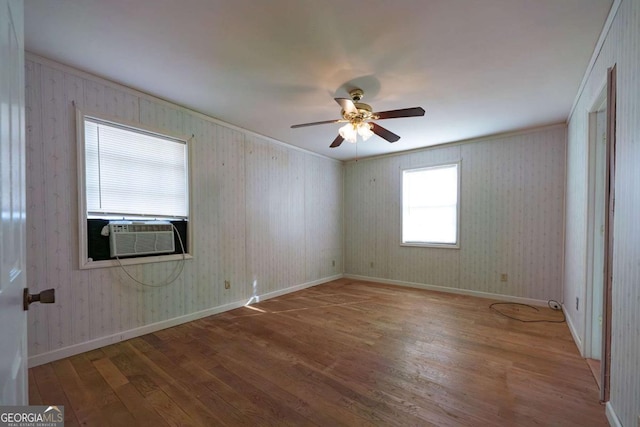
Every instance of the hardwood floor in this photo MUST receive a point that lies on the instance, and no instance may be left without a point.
(594, 366)
(343, 353)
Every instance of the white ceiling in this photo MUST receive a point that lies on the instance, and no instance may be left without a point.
(478, 67)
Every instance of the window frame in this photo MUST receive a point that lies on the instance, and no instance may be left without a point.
(455, 245)
(83, 257)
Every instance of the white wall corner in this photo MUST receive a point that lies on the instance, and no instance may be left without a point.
(594, 55)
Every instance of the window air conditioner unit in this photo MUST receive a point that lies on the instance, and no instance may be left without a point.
(128, 238)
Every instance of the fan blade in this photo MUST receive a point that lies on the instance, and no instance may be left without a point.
(405, 112)
(336, 142)
(318, 123)
(347, 105)
(384, 133)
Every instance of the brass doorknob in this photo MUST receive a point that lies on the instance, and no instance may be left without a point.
(45, 297)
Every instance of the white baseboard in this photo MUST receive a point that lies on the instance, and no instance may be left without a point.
(574, 332)
(613, 419)
(480, 294)
(72, 350)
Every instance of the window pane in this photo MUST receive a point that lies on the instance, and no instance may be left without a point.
(430, 210)
(435, 225)
(432, 187)
(134, 173)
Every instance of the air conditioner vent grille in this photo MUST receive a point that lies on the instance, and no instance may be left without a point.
(140, 239)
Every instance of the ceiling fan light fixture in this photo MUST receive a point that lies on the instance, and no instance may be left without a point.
(364, 130)
(359, 120)
(348, 132)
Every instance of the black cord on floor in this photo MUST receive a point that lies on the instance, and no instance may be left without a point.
(557, 304)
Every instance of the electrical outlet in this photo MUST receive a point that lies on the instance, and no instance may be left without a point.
(504, 277)
(227, 284)
(577, 303)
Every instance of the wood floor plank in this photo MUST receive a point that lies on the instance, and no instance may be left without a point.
(34, 393)
(72, 385)
(143, 412)
(169, 410)
(110, 373)
(287, 384)
(188, 390)
(100, 392)
(346, 353)
(279, 411)
(52, 391)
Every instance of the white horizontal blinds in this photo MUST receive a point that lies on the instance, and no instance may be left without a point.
(133, 172)
(430, 205)
(92, 165)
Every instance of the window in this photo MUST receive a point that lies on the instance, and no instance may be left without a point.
(132, 172)
(430, 200)
(128, 173)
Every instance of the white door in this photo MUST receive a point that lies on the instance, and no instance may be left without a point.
(13, 319)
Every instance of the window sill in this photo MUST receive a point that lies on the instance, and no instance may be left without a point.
(133, 261)
(430, 245)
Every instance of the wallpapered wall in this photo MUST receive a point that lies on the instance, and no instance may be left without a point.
(261, 219)
(621, 47)
(512, 195)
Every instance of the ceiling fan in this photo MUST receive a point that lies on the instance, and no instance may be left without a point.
(358, 116)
